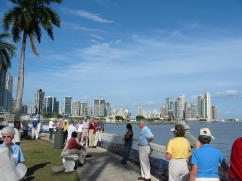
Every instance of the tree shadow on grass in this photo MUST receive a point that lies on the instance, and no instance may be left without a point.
(31, 170)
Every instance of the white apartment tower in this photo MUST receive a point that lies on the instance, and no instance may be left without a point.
(207, 101)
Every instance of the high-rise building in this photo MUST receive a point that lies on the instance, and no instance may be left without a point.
(179, 111)
(24, 109)
(7, 100)
(2, 88)
(187, 111)
(76, 108)
(200, 107)
(68, 105)
(6, 88)
(99, 107)
(51, 105)
(96, 107)
(214, 112)
(84, 109)
(108, 109)
(39, 101)
(194, 110)
(102, 112)
(207, 100)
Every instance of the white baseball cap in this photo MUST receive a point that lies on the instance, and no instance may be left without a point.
(206, 132)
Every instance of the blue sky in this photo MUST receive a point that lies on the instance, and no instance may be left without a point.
(138, 52)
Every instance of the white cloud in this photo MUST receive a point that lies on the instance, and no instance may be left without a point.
(87, 15)
(229, 93)
(83, 28)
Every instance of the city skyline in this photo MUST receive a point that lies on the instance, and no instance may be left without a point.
(140, 57)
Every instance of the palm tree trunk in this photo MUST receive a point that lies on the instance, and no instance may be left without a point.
(20, 87)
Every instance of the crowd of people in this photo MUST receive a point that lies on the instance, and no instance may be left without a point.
(189, 158)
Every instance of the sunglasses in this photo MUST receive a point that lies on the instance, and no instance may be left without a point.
(7, 136)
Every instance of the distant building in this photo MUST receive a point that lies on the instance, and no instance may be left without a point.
(200, 107)
(6, 88)
(68, 105)
(99, 107)
(24, 109)
(179, 107)
(214, 112)
(207, 99)
(51, 105)
(39, 101)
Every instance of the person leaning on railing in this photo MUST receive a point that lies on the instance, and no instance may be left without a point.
(178, 151)
(206, 159)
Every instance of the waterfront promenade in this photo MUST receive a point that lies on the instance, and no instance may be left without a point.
(106, 166)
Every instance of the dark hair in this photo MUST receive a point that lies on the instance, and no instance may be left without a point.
(204, 139)
(74, 134)
(179, 130)
(129, 126)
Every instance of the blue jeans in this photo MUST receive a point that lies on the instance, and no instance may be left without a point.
(126, 151)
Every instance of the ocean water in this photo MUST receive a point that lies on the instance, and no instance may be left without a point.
(224, 132)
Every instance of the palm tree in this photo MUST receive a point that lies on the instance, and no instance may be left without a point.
(28, 17)
(6, 51)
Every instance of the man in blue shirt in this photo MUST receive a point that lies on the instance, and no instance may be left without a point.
(145, 138)
(35, 133)
(206, 159)
(15, 150)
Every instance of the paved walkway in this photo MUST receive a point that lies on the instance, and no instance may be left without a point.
(106, 166)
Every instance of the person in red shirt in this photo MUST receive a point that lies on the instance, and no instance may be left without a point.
(92, 133)
(235, 172)
(75, 148)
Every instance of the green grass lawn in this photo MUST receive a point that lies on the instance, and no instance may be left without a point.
(40, 157)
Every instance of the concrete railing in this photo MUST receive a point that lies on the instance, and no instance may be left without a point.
(159, 165)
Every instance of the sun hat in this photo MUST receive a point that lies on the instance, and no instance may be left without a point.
(206, 132)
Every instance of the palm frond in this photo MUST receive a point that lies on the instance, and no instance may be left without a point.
(31, 37)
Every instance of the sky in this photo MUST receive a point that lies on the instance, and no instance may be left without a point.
(138, 52)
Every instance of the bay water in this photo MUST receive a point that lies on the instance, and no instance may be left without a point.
(224, 132)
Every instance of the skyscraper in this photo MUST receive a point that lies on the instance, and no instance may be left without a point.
(76, 108)
(214, 112)
(68, 105)
(99, 107)
(200, 107)
(7, 100)
(180, 107)
(51, 105)
(39, 101)
(207, 100)
(2, 88)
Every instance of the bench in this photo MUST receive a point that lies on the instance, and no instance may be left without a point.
(69, 161)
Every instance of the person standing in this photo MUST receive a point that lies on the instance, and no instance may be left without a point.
(235, 172)
(51, 129)
(25, 126)
(35, 128)
(206, 159)
(85, 135)
(79, 131)
(92, 132)
(71, 128)
(178, 151)
(99, 133)
(128, 139)
(16, 139)
(145, 137)
(65, 129)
